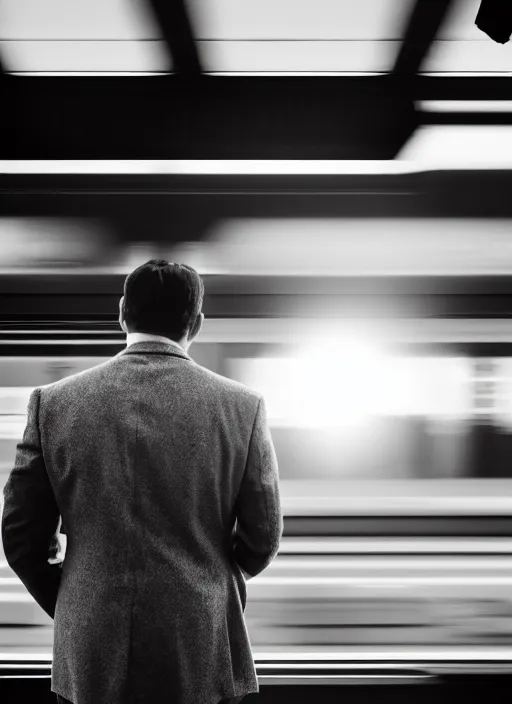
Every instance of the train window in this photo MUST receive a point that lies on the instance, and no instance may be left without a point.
(346, 388)
(339, 412)
(501, 392)
(355, 413)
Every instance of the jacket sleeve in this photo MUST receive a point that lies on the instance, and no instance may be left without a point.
(259, 519)
(30, 516)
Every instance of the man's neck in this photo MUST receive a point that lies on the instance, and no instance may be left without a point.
(134, 337)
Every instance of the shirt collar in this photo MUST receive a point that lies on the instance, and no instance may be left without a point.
(133, 338)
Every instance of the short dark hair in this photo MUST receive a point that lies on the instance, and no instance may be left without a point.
(162, 298)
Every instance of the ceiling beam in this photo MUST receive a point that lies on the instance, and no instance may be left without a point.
(174, 21)
(166, 117)
(424, 22)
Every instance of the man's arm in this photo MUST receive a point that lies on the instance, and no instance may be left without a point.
(30, 516)
(259, 525)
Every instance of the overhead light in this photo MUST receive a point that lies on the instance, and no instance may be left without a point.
(457, 147)
(266, 167)
(481, 106)
(467, 74)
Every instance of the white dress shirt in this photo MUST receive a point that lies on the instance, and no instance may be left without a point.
(133, 337)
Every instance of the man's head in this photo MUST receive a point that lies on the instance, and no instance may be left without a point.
(162, 298)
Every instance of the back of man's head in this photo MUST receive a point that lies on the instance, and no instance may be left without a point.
(162, 298)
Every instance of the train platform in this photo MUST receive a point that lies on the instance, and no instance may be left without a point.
(318, 679)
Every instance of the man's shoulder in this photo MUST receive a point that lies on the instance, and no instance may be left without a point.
(75, 381)
(224, 384)
(204, 378)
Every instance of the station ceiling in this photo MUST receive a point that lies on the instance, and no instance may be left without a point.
(111, 37)
(225, 79)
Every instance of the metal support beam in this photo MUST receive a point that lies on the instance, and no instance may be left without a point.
(424, 23)
(173, 18)
(172, 117)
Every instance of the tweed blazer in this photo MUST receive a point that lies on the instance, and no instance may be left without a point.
(166, 480)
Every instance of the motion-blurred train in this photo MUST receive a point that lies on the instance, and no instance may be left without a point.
(375, 315)
(393, 434)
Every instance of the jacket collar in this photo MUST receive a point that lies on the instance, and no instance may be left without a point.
(155, 347)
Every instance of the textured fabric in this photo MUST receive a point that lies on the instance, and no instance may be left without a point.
(236, 700)
(166, 479)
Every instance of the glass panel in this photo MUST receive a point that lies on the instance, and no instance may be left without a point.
(461, 47)
(77, 20)
(298, 56)
(85, 56)
(299, 19)
(342, 413)
(361, 246)
(299, 36)
(482, 147)
(81, 36)
(480, 56)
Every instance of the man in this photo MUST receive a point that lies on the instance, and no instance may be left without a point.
(166, 480)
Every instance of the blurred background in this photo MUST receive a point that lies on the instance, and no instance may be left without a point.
(340, 176)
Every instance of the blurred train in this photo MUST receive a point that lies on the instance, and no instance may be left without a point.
(391, 415)
(387, 374)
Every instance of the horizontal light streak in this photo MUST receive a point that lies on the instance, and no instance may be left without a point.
(396, 506)
(8, 657)
(24, 677)
(288, 330)
(266, 167)
(387, 507)
(468, 74)
(68, 74)
(17, 598)
(334, 666)
(370, 247)
(469, 654)
(262, 74)
(414, 657)
(332, 679)
(460, 147)
(364, 546)
(449, 563)
(61, 342)
(337, 562)
(381, 581)
(457, 106)
(206, 73)
(15, 666)
(408, 162)
(299, 73)
(63, 333)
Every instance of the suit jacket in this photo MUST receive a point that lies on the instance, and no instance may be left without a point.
(495, 19)
(166, 479)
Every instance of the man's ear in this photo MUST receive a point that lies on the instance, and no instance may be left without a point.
(196, 327)
(121, 315)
